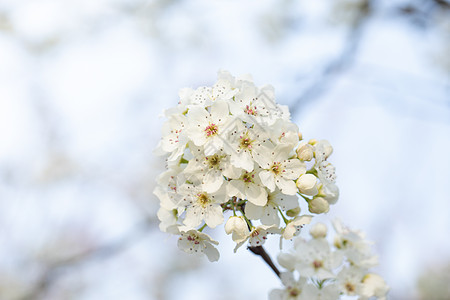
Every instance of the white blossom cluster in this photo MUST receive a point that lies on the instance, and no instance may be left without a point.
(232, 150)
(326, 272)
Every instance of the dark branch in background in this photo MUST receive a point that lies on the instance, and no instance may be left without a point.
(259, 250)
(57, 269)
(337, 65)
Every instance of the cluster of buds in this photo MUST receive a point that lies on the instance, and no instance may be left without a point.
(233, 151)
(328, 271)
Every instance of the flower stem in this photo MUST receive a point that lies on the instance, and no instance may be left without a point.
(203, 227)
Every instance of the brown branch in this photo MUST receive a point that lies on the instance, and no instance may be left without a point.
(259, 250)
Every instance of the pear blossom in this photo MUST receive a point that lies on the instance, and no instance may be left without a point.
(330, 271)
(206, 127)
(315, 258)
(293, 288)
(248, 186)
(210, 170)
(354, 245)
(294, 226)
(281, 171)
(257, 236)
(174, 138)
(284, 132)
(231, 147)
(203, 206)
(373, 285)
(245, 145)
(194, 241)
(268, 214)
(349, 279)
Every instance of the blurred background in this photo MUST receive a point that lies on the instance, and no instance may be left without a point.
(82, 86)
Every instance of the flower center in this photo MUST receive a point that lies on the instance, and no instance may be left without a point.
(249, 110)
(202, 199)
(276, 168)
(246, 142)
(349, 287)
(293, 292)
(211, 129)
(248, 177)
(213, 161)
(317, 264)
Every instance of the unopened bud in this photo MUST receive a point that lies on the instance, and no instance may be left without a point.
(318, 205)
(318, 231)
(305, 151)
(293, 212)
(307, 184)
(238, 227)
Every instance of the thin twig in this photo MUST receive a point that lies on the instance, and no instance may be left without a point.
(259, 250)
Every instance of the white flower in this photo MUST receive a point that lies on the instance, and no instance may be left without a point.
(354, 245)
(293, 289)
(268, 214)
(280, 170)
(174, 139)
(315, 259)
(349, 280)
(284, 132)
(238, 227)
(210, 170)
(206, 127)
(248, 186)
(201, 205)
(329, 192)
(194, 241)
(257, 236)
(168, 218)
(374, 285)
(245, 145)
(322, 150)
(255, 106)
(294, 227)
(307, 184)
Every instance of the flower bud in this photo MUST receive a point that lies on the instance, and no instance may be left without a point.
(307, 184)
(305, 151)
(318, 231)
(318, 205)
(293, 212)
(238, 227)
